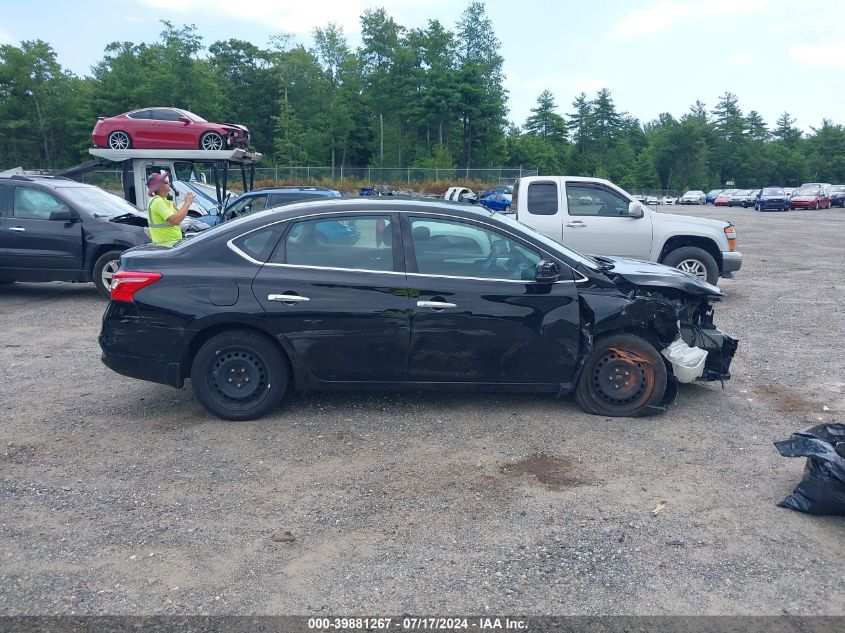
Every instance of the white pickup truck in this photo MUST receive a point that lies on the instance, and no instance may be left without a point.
(595, 217)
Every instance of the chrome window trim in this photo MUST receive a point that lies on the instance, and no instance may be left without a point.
(238, 251)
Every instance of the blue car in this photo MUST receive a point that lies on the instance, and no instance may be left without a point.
(711, 196)
(500, 202)
(269, 197)
(772, 199)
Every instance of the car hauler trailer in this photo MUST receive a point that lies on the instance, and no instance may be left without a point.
(186, 170)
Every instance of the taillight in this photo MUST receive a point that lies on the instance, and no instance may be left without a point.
(126, 283)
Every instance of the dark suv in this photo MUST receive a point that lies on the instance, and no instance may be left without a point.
(55, 229)
(269, 197)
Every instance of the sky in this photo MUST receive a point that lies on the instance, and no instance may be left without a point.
(654, 55)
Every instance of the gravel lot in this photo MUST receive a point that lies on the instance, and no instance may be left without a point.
(125, 497)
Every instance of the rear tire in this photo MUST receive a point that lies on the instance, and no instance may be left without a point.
(119, 140)
(622, 377)
(694, 260)
(239, 375)
(104, 269)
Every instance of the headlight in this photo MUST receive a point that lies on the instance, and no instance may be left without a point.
(730, 233)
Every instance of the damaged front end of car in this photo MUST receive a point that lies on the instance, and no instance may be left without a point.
(671, 310)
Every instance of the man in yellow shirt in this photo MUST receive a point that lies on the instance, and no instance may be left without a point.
(164, 218)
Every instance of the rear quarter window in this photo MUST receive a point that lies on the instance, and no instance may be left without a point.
(541, 198)
(260, 244)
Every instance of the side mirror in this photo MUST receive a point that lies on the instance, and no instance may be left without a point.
(184, 120)
(635, 209)
(546, 272)
(62, 215)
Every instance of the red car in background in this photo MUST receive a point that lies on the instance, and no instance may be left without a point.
(724, 198)
(166, 128)
(811, 196)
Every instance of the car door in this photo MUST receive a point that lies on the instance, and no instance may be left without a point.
(142, 129)
(596, 222)
(342, 305)
(33, 243)
(171, 132)
(477, 313)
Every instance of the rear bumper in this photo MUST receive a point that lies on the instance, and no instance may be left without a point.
(731, 262)
(135, 349)
(145, 369)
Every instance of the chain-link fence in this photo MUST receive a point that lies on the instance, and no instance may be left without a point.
(338, 176)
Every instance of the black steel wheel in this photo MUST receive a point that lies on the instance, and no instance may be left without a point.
(623, 376)
(239, 375)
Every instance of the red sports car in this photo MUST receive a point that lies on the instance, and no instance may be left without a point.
(166, 128)
(724, 198)
(810, 197)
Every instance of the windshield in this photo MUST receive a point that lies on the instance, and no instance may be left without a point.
(715, 192)
(555, 247)
(837, 189)
(193, 117)
(773, 191)
(809, 190)
(97, 202)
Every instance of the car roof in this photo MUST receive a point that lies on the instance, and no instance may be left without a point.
(339, 205)
(40, 179)
(289, 188)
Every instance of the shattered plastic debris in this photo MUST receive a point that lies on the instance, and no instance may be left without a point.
(687, 362)
(822, 490)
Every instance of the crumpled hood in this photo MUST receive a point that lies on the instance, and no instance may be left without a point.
(243, 128)
(642, 273)
(690, 219)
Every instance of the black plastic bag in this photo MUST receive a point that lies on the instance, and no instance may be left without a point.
(822, 491)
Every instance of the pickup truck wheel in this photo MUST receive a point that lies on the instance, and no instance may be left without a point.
(239, 375)
(104, 269)
(623, 376)
(695, 261)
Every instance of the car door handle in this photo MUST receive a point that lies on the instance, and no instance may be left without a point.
(576, 225)
(287, 298)
(19, 229)
(436, 305)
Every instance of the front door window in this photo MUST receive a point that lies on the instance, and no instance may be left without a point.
(455, 249)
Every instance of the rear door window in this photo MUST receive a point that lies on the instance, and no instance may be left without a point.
(541, 198)
(141, 114)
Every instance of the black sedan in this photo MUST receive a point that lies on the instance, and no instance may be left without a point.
(430, 296)
(772, 199)
(837, 196)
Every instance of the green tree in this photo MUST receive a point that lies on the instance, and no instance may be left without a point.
(545, 122)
